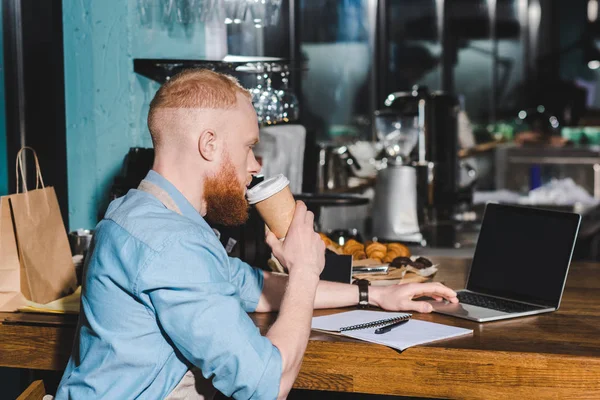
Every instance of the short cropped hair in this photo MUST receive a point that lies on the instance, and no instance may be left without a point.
(194, 88)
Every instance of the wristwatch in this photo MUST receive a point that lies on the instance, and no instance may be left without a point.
(363, 292)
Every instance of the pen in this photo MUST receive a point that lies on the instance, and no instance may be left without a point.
(388, 328)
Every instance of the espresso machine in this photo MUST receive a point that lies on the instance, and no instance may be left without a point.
(417, 190)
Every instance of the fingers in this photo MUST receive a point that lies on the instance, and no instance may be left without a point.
(438, 298)
(420, 306)
(433, 289)
(299, 214)
(309, 218)
(274, 243)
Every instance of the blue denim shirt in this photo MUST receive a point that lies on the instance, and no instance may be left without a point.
(160, 294)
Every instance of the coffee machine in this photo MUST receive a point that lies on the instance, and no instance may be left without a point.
(417, 191)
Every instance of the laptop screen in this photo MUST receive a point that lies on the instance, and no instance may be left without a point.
(523, 253)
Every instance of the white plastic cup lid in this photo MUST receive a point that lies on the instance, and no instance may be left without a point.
(267, 188)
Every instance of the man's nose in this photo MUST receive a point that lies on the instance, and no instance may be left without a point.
(253, 166)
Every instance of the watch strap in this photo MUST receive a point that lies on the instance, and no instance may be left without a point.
(363, 292)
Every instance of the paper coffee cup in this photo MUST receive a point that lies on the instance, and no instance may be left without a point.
(275, 203)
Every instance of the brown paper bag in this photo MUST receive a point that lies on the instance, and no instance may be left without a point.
(10, 269)
(42, 269)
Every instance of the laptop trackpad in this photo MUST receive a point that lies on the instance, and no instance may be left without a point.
(464, 310)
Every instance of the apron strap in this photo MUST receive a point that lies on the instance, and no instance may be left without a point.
(160, 194)
(193, 386)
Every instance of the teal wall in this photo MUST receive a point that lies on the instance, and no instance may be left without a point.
(3, 156)
(106, 102)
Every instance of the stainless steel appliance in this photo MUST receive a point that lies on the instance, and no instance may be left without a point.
(422, 185)
(334, 168)
(394, 213)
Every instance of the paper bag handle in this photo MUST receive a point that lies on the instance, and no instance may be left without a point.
(19, 170)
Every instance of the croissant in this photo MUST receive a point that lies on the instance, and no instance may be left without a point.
(377, 254)
(375, 247)
(352, 246)
(390, 255)
(359, 255)
(399, 248)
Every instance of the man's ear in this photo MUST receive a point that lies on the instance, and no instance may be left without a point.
(208, 145)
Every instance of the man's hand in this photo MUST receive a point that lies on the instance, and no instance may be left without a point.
(401, 297)
(303, 250)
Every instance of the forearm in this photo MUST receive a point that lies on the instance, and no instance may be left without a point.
(335, 294)
(291, 330)
(274, 285)
(329, 294)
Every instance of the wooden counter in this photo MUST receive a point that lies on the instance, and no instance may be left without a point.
(554, 355)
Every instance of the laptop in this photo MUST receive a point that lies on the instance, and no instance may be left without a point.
(520, 264)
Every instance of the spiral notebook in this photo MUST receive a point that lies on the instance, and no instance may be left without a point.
(361, 324)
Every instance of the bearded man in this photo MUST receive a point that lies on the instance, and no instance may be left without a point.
(164, 309)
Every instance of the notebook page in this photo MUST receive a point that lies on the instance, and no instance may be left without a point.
(334, 322)
(412, 333)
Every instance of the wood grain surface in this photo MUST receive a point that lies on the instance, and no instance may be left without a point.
(555, 355)
(35, 391)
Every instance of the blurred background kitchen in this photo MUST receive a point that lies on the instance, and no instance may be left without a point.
(394, 119)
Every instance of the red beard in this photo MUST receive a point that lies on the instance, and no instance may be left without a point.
(225, 198)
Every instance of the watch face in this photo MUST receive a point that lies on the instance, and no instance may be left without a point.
(363, 293)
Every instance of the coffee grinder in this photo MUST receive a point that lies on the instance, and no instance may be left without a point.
(416, 193)
(395, 203)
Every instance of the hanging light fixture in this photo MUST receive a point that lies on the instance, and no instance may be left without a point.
(592, 10)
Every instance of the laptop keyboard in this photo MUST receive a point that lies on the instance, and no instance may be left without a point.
(508, 306)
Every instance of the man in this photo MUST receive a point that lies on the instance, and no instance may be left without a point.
(161, 300)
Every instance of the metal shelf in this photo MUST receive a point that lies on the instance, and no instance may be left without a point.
(161, 70)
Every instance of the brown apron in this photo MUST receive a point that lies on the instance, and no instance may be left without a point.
(193, 386)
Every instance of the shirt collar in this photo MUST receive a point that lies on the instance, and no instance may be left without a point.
(186, 208)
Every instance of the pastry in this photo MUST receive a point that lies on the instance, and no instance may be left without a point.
(376, 254)
(399, 248)
(419, 263)
(426, 262)
(375, 247)
(359, 255)
(389, 256)
(351, 246)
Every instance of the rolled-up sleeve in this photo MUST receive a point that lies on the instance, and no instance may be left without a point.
(188, 288)
(249, 282)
